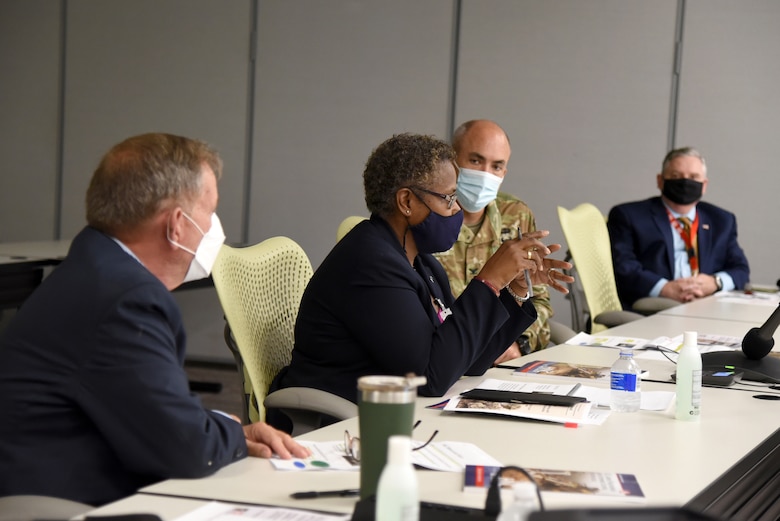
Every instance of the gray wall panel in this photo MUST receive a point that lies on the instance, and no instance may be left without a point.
(583, 90)
(179, 66)
(334, 79)
(730, 109)
(29, 105)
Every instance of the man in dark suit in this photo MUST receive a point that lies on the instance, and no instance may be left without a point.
(675, 246)
(94, 399)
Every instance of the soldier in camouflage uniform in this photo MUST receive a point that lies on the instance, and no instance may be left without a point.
(483, 146)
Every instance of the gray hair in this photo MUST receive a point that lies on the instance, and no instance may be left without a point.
(681, 152)
(142, 174)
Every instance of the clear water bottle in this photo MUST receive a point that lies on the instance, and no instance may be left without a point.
(625, 383)
(524, 502)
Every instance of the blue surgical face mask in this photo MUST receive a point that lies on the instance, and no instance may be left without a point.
(437, 232)
(476, 189)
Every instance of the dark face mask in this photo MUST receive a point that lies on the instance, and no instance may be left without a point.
(682, 191)
(437, 232)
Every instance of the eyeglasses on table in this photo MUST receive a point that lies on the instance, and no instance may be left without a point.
(352, 445)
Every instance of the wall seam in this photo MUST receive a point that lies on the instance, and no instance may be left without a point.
(457, 4)
(60, 153)
(676, 73)
(250, 125)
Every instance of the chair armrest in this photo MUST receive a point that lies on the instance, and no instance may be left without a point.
(560, 333)
(650, 305)
(314, 400)
(616, 318)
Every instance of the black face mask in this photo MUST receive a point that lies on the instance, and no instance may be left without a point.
(682, 191)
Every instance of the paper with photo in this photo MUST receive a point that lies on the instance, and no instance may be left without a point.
(649, 400)
(579, 414)
(448, 456)
(217, 511)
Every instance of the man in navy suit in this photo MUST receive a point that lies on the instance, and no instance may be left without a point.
(675, 246)
(94, 400)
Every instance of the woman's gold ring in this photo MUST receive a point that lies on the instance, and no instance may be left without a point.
(530, 255)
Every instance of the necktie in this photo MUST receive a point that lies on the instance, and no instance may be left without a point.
(690, 244)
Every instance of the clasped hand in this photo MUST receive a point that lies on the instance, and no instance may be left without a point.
(687, 289)
(511, 260)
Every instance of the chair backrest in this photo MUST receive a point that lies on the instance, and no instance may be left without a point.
(580, 315)
(347, 224)
(260, 289)
(586, 234)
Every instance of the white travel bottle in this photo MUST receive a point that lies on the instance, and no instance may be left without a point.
(397, 495)
(688, 379)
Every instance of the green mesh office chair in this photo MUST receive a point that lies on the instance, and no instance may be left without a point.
(347, 224)
(588, 239)
(260, 289)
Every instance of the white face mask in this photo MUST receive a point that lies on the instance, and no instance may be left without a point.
(207, 251)
(476, 189)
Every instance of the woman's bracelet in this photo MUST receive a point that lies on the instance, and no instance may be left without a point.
(489, 285)
(518, 297)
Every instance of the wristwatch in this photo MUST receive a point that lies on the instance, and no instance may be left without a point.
(718, 282)
(525, 345)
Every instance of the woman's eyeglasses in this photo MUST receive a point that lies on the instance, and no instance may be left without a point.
(450, 198)
(352, 445)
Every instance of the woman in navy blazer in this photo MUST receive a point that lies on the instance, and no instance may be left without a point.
(380, 303)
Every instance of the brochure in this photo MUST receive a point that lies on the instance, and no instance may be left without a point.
(580, 414)
(563, 369)
(706, 342)
(447, 456)
(603, 484)
(216, 511)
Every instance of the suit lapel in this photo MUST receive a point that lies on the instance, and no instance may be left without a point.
(704, 239)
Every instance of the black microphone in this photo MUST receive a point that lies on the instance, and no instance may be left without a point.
(758, 342)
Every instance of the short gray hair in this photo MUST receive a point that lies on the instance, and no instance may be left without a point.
(681, 152)
(138, 176)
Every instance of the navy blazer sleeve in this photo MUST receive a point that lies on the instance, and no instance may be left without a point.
(639, 253)
(720, 250)
(393, 324)
(137, 394)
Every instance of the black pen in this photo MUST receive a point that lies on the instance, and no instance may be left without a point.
(325, 493)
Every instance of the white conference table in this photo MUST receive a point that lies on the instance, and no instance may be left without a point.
(731, 306)
(53, 251)
(647, 444)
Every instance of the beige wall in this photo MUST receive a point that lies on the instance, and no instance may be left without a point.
(296, 93)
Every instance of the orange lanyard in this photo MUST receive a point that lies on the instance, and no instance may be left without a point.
(689, 236)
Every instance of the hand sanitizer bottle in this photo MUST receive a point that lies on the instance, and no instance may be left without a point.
(524, 503)
(688, 379)
(397, 495)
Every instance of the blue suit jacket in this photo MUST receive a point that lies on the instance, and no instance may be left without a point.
(94, 401)
(643, 251)
(366, 311)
